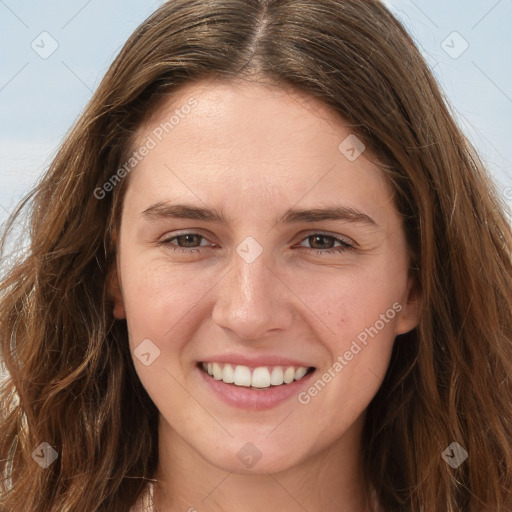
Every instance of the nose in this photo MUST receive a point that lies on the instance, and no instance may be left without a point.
(251, 300)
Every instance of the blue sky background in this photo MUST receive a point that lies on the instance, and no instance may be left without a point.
(41, 98)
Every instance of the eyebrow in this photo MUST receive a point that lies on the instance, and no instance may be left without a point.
(161, 210)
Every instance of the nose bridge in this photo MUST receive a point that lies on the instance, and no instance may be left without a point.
(251, 280)
(248, 300)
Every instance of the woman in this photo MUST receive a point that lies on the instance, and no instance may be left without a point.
(178, 338)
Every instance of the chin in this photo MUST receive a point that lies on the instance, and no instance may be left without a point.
(252, 456)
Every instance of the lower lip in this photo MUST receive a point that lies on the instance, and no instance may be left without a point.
(254, 399)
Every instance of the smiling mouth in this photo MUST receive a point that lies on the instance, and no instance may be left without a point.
(261, 377)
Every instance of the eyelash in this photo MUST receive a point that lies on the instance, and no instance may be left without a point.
(337, 250)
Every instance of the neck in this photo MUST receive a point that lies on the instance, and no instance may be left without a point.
(326, 481)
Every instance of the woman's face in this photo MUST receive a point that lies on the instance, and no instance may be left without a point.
(254, 239)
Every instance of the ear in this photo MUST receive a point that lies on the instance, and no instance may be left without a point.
(410, 313)
(115, 293)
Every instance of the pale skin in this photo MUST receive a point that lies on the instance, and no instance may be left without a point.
(253, 152)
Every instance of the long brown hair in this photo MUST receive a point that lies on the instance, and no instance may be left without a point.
(72, 383)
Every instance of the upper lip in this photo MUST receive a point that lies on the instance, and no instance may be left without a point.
(254, 361)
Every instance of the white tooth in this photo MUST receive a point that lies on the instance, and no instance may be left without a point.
(242, 376)
(276, 377)
(260, 377)
(217, 372)
(228, 375)
(289, 375)
(300, 372)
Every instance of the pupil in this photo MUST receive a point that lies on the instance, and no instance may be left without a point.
(316, 238)
(189, 239)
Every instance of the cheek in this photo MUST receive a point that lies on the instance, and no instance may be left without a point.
(345, 301)
(159, 299)
(359, 352)
(355, 318)
(162, 306)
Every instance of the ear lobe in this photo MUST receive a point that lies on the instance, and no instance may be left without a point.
(115, 294)
(410, 314)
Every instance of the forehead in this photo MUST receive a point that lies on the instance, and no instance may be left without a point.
(220, 140)
(245, 115)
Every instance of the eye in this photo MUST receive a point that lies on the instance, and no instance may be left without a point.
(186, 242)
(326, 244)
